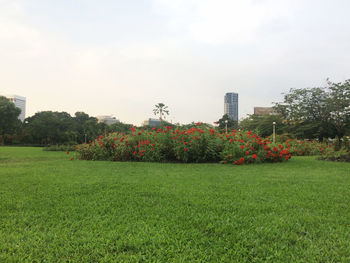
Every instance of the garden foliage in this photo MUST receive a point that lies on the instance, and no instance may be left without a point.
(197, 144)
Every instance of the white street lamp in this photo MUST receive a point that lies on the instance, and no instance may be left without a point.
(274, 132)
(226, 121)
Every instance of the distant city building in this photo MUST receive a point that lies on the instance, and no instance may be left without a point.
(109, 120)
(20, 102)
(151, 122)
(263, 110)
(231, 105)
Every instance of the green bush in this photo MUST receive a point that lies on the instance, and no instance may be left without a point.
(330, 154)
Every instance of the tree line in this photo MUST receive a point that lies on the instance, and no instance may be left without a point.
(319, 112)
(50, 128)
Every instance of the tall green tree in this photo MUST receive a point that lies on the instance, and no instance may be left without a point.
(160, 109)
(9, 122)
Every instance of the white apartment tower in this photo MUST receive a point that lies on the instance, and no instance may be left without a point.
(20, 102)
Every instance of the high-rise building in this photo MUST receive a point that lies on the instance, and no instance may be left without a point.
(231, 105)
(20, 102)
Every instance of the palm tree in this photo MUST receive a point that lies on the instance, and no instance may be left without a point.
(161, 109)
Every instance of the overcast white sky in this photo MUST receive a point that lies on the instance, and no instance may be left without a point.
(118, 57)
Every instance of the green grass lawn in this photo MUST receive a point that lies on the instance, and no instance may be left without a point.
(56, 210)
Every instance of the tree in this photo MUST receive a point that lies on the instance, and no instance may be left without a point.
(9, 122)
(161, 109)
(85, 126)
(338, 105)
(317, 112)
(231, 124)
(262, 124)
(49, 127)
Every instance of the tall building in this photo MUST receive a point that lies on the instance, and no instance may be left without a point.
(20, 102)
(231, 105)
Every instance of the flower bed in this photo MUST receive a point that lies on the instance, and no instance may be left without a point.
(195, 145)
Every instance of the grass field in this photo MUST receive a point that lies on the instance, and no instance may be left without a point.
(56, 210)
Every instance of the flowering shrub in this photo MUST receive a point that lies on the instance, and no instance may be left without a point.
(196, 144)
(305, 147)
(247, 147)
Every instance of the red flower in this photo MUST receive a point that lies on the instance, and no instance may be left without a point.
(71, 159)
(153, 144)
(254, 156)
(241, 160)
(242, 147)
(185, 149)
(67, 152)
(246, 152)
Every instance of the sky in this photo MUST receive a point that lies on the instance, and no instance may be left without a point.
(120, 58)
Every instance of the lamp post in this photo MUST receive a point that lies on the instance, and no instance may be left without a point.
(226, 121)
(85, 137)
(274, 132)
